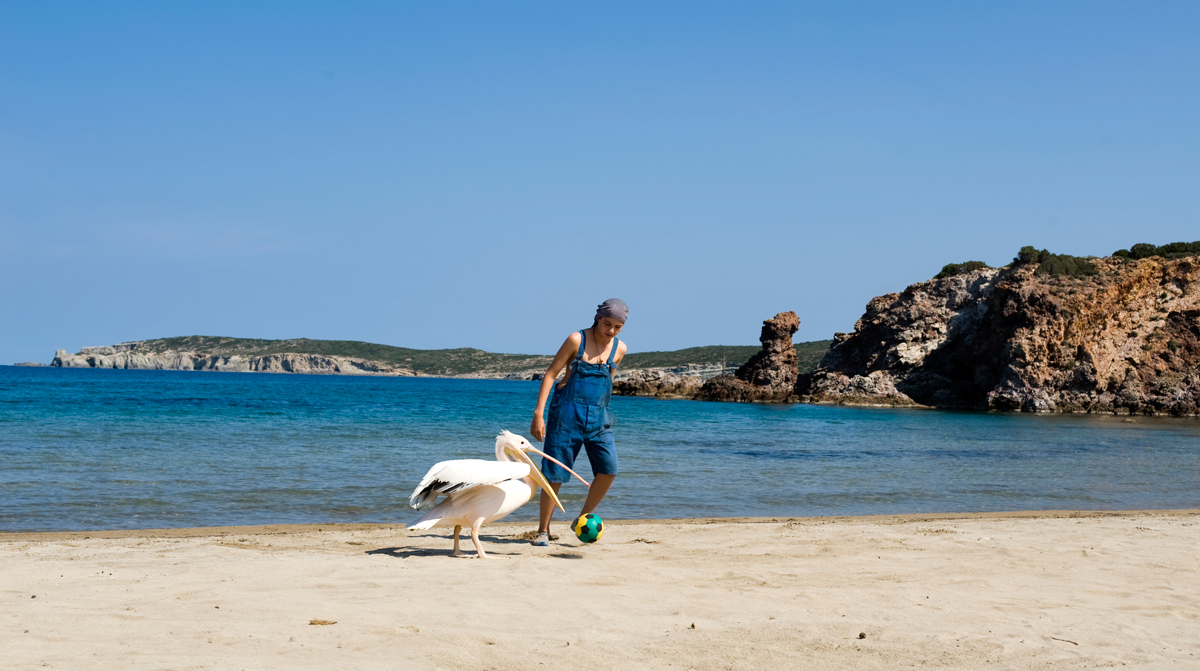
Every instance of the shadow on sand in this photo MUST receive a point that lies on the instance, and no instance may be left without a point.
(489, 543)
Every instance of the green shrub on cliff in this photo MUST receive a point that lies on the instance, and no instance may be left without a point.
(1029, 254)
(1056, 265)
(952, 269)
(1173, 250)
(1063, 264)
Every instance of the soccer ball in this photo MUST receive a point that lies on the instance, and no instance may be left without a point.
(588, 528)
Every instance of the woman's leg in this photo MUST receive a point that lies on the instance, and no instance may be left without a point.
(546, 508)
(602, 454)
(600, 484)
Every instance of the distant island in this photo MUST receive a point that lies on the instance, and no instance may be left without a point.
(349, 357)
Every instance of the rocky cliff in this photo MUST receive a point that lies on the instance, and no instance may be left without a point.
(125, 356)
(1124, 337)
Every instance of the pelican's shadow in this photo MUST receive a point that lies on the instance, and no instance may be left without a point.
(489, 541)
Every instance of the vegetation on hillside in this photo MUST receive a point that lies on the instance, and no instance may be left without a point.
(809, 354)
(952, 269)
(1079, 266)
(1056, 265)
(731, 354)
(462, 361)
(1173, 250)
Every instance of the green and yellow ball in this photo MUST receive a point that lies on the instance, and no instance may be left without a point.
(588, 528)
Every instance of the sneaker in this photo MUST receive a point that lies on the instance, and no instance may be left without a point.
(542, 539)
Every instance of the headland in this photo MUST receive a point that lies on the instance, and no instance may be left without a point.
(1047, 333)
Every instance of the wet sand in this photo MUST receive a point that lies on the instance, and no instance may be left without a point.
(1045, 590)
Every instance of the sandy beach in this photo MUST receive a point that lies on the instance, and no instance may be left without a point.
(1047, 590)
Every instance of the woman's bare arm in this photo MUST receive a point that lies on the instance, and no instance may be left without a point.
(565, 353)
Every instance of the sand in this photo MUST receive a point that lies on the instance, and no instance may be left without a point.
(1022, 591)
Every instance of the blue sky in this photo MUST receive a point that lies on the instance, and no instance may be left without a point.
(483, 174)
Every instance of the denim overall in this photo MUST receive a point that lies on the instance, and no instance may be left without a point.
(579, 417)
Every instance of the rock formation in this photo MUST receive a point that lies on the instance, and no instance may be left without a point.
(769, 376)
(1124, 340)
(658, 383)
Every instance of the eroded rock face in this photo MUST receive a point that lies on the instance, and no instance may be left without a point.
(658, 384)
(125, 357)
(769, 376)
(1124, 341)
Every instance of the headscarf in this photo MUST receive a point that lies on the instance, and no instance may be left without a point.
(613, 307)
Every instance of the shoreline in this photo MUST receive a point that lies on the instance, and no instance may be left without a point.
(331, 527)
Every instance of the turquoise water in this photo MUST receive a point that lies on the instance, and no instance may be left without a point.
(104, 449)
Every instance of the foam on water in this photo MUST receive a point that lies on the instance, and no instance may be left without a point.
(103, 449)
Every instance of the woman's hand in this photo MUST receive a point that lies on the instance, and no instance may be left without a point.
(538, 427)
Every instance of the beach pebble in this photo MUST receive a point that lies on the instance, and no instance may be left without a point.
(862, 634)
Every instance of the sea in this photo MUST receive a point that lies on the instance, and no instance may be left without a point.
(88, 449)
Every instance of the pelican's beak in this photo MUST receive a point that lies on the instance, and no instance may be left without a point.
(546, 456)
(537, 476)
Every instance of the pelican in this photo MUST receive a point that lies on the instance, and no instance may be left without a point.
(479, 491)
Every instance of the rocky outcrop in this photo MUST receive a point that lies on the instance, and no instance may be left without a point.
(676, 382)
(125, 356)
(658, 383)
(701, 371)
(769, 376)
(1125, 340)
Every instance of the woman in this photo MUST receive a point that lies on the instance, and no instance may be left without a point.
(579, 414)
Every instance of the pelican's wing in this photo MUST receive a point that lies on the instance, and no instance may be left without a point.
(447, 477)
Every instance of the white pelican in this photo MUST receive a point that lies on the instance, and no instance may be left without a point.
(479, 491)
